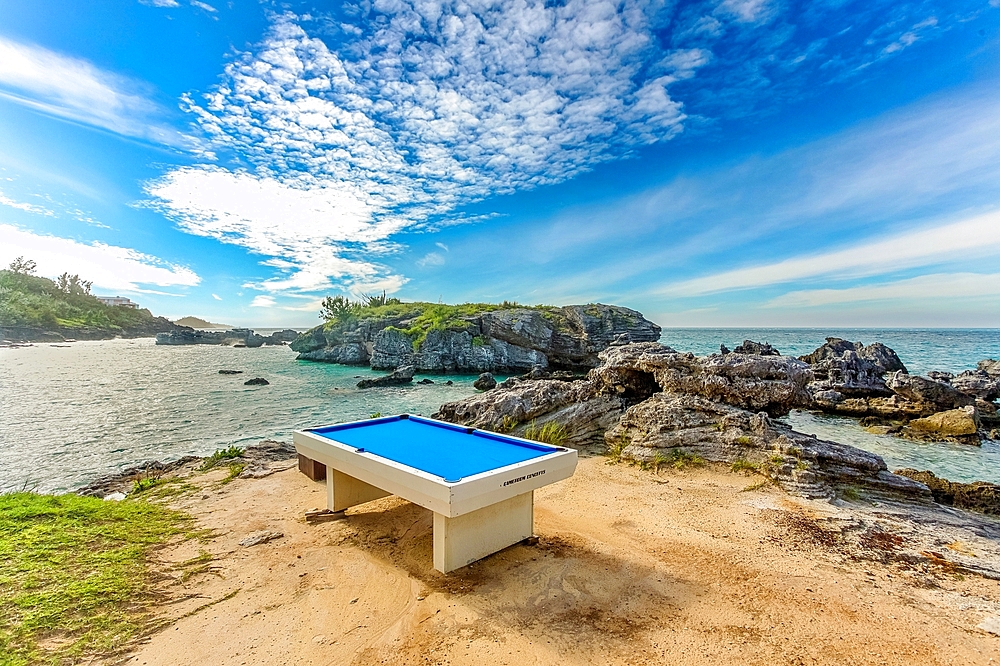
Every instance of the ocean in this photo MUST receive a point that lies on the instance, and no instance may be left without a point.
(70, 413)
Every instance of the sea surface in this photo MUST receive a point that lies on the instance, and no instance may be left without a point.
(70, 413)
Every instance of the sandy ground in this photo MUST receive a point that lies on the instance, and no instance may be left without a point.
(630, 567)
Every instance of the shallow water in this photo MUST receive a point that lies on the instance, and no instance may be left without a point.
(71, 413)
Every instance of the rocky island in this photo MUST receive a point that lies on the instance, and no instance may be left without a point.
(470, 338)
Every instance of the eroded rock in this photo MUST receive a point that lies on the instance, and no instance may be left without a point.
(976, 496)
(402, 375)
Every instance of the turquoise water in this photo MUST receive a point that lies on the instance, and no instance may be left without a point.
(951, 350)
(71, 413)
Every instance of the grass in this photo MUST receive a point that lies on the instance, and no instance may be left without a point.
(742, 466)
(550, 433)
(850, 493)
(616, 450)
(744, 440)
(678, 459)
(763, 483)
(221, 455)
(506, 425)
(74, 576)
(235, 469)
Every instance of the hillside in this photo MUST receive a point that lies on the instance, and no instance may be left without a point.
(37, 308)
(471, 337)
(197, 322)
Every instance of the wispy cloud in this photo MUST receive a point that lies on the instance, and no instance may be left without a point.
(930, 290)
(76, 90)
(26, 207)
(217, 297)
(967, 239)
(262, 301)
(108, 266)
(431, 259)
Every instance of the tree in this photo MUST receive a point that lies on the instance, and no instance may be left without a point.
(23, 266)
(72, 284)
(337, 308)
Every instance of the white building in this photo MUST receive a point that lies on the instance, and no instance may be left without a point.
(118, 300)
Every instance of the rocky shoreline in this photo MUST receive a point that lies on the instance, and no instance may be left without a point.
(648, 403)
(236, 337)
(20, 334)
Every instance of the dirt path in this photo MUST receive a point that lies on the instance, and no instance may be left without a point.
(630, 568)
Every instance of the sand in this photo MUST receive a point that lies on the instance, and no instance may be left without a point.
(630, 567)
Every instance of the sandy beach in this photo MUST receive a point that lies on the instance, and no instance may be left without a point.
(630, 567)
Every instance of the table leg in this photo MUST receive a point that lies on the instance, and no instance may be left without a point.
(472, 536)
(344, 491)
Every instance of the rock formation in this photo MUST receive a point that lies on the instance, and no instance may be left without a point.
(476, 339)
(759, 348)
(402, 375)
(977, 496)
(237, 337)
(645, 400)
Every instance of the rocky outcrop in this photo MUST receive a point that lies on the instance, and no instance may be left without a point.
(256, 381)
(508, 340)
(645, 400)
(976, 496)
(759, 348)
(877, 353)
(403, 375)
(939, 395)
(146, 329)
(978, 384)
(236, 337)
(485, 382)
(954, 425)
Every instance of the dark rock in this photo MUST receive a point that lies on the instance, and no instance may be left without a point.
(281, 337)
(923, 390)
(230, 372)
(832, 348)
(425, 381)
(402, 375)
(449, 383)
(884, 358)
(723, 349)
(976, 496)
(345, 354)
(761, 349)
(850, 375)
(188, 336)
(977, 383)
(256, 381)
(939, 376)
(485, 382)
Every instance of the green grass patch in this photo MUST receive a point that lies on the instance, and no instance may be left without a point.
(74, 574)
(235, 469)
(763, 483)
(549, 433)
(744, 440)
(616, 449)
(742, 466)
(220, 456)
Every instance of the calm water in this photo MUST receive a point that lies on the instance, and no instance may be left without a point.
(69, 414)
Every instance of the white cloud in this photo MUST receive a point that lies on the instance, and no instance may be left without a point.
(442, 246)
(204, 5)
(431, 259)
(75, 89)
(160, 3)
(968, 239)
(420, 112)
(26, 207)
(937, 290)
(263, 301)
(108, 266)
(217, 297)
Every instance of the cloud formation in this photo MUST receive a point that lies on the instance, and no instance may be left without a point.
(76, 90)
(108, 266)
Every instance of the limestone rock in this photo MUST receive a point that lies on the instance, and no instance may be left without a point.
(188, 336)
(977, 383)
(257, 538)
(961, 425)
(751, 347)
(885, 359)
(485, 382)
(256, 381)
(923, 390)
(401, 375)
(976, 496)
(849, 374)
(346, 354)
(990, 367)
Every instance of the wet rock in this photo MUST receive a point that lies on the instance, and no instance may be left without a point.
(425, 381)
(485, 382)
(723, 349)
(401, 375)
(939, 376)
(759, 348)
(230, 372)
(449, 383)
(957, 425)
(256, 381)
(976, 496)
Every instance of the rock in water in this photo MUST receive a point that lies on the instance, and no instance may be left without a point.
(923, 390)
(230, 372)
(485, 382)
(402, 375)
(959, 425)
(759, 348)
(977, 496)
(256, 381)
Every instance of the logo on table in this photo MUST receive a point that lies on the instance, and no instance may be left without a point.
(522, 478)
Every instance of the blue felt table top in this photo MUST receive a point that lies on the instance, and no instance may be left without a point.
(448, 451)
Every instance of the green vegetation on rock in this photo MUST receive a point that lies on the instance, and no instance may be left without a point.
(74, 574)
(27, 300)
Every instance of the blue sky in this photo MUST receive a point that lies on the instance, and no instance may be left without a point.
(723, 163)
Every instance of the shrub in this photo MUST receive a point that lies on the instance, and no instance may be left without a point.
(550, 433)
(221, 454)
